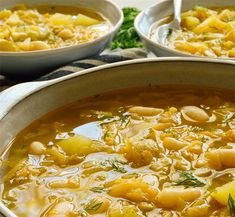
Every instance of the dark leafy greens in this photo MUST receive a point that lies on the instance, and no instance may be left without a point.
(127, 37)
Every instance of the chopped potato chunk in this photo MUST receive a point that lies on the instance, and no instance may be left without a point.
(133, 190)
(221, 193)
(81, 145)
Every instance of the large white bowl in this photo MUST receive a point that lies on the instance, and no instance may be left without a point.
(24, 103)
(145, 20)
(39, 62)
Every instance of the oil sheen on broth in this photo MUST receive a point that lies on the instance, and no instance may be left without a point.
(153, 151)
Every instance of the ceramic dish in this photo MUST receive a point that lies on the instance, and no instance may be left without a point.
(147, 18)
(22, 104)
(35, 63)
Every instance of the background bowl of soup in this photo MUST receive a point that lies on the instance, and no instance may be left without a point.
(57, 33)
(205, 37)
(202, 109)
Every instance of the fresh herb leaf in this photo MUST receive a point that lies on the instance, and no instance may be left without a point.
(93, 205)
(97, 189)
(170, 31)
(188, 180)
(125, 120)
(115, 164)
(231, 205)
(127, 37)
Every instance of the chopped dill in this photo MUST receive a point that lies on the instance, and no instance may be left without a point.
(115, 165)
(189, 180)
(93, 205)
(125, 120)
(98, 189)
(231, 205)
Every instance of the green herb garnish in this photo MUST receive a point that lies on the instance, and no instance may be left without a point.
(97, 189)
(115, 165)
(93, 205)
(127, 37)
(188, 180)
(125, 120)
(231, 205)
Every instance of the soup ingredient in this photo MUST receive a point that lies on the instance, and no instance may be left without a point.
(81, 145)
(221, 194)
(188, 180)
(120, 209)
(133, 190)
(173, 144)
(205, 32)
(194, 114)
(47, 27)
(145, 111)
(231, 205)
(36, 148)
(129, 153)
(175, 197)
(61, 210)
(221, 158)
(127, 37)
(140, 152)
(97, 205)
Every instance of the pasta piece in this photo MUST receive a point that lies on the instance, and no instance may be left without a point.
(174, 197)
(145, 111)
(221, 158)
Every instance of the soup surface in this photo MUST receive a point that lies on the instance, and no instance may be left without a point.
(153, 151)
(205, 32)
(47, 27)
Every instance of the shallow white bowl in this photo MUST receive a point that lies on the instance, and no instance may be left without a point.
(39, 62)
(24, 103)
(145, 20)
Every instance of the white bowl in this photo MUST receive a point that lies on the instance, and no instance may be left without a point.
(145, 20)
(35, 63)
(24, 103)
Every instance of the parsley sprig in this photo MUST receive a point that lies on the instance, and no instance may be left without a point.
(127, 37)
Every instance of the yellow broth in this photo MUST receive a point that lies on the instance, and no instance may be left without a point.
(153, 151)
(46, 27)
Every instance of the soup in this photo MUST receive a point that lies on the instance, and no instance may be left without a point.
(205, 32)
(46, 27)
(153, 151)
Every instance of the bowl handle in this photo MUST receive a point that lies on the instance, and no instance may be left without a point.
(12, 95)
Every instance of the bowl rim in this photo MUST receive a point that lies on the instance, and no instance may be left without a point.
(113, 29)
(163, 47)
(36, 86)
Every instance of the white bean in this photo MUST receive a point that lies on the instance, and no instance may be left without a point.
(36, 148)
(194, 114)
